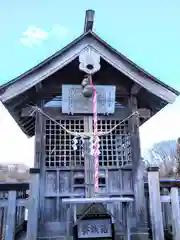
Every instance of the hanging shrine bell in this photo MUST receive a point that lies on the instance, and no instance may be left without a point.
(87, 89)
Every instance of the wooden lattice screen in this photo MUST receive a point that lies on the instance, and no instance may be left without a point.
(59, 151)
(115, 148)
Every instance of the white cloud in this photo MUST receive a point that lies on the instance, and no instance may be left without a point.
(33, 36)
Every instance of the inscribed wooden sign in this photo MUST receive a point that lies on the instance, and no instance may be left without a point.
(95, 228)
(73, 101)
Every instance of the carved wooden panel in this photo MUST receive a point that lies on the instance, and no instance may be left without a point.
(51, 182)
(73, 101)
(64, 182)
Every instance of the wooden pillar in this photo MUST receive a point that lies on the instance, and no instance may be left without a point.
(175, 213)
(33, 205)
(125, 206)
(11, 216)
(39, 161)
(138, 174)
(155, 203)
(135, 139)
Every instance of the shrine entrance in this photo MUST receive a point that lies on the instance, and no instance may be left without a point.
(68, 171)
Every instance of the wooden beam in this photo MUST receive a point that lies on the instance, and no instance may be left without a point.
(27, 112)
(144, 113)
(96, 200)
(135, 89)
(31, 126)
(14, 105)
(89, 20)
(38, 87)
(19, 203)
(121, 90)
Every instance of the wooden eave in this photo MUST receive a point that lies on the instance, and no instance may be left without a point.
(11, 92)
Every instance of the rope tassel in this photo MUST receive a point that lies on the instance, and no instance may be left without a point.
(96, 138)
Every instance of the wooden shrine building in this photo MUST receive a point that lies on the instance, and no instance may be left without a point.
(54, 102)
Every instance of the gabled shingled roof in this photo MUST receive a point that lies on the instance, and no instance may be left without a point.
(99, 44)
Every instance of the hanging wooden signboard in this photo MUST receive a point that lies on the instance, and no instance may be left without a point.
(95, 228)
(73, 101)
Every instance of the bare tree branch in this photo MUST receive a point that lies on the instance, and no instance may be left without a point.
(164, 155)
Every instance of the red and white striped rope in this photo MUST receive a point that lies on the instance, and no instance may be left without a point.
(96, 138)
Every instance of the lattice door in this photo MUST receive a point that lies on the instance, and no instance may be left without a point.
(59, 150)
(115, 147)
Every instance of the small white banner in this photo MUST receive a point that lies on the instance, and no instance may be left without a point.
(98, 228)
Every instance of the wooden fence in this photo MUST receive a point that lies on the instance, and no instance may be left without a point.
(13, 201)
(162, 199)
(163, 210)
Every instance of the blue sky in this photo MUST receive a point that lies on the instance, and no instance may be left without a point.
(147, 32)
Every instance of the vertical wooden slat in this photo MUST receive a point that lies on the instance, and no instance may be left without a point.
(155, 203)
(11, 216)
(175, 213)
(32, 225)
(57, 199)
(4, 221)
(125, 207)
